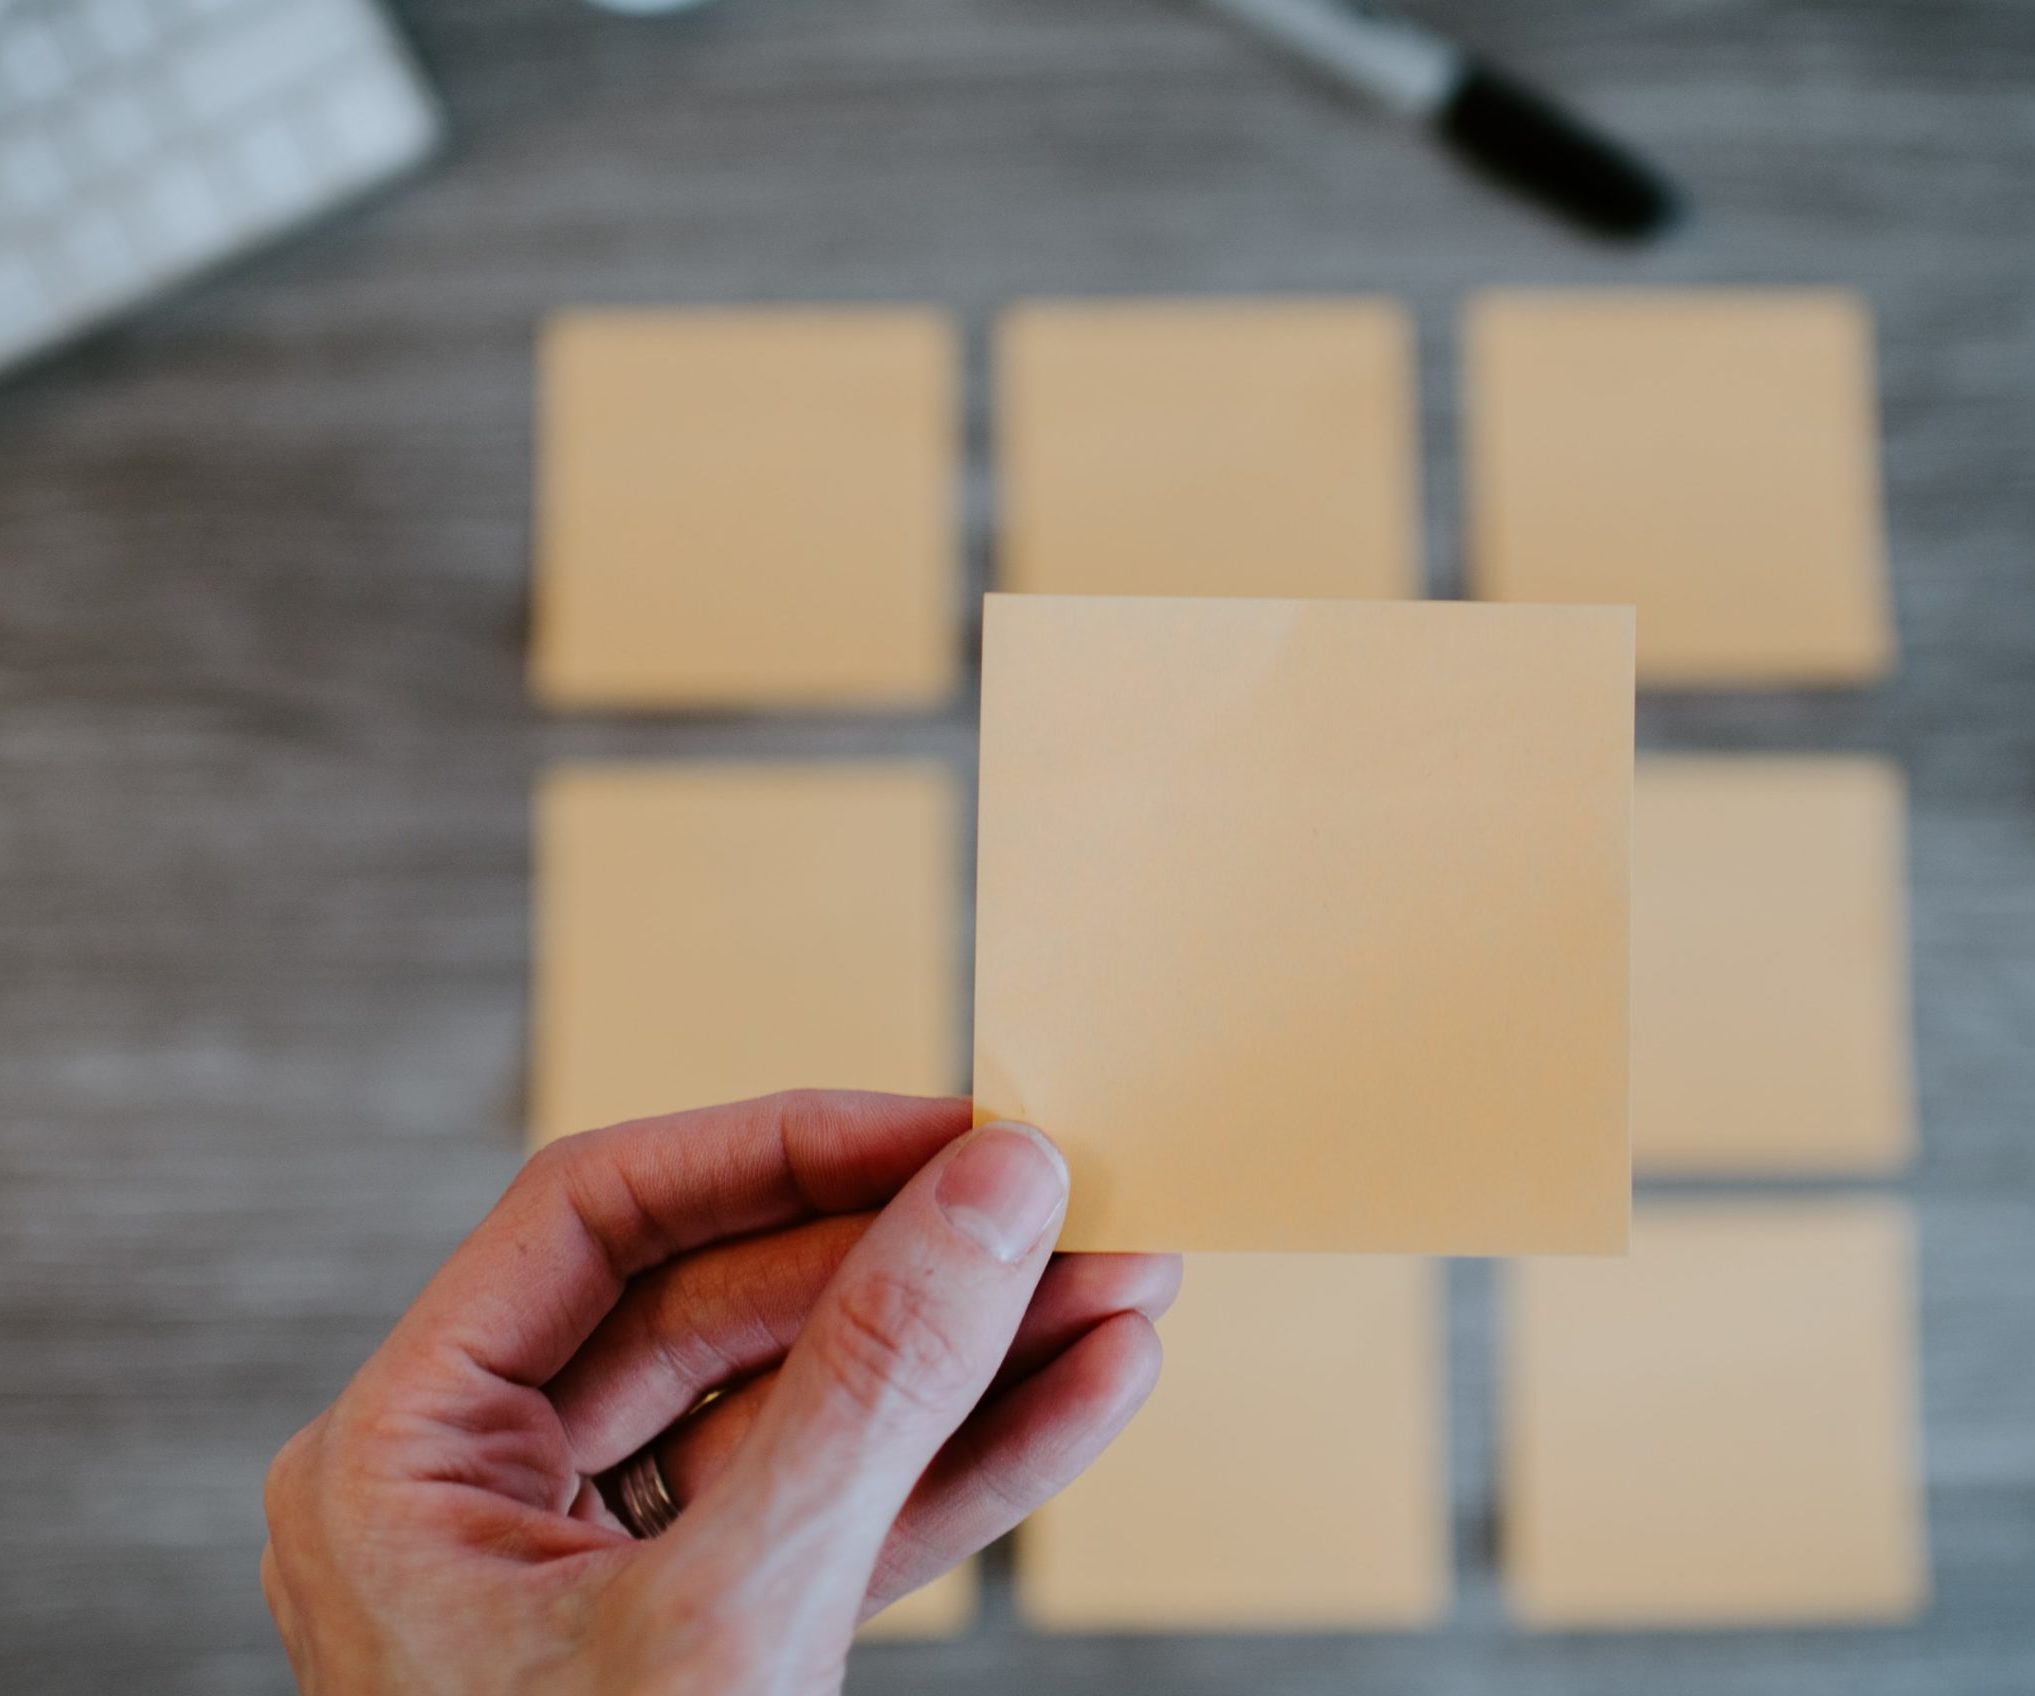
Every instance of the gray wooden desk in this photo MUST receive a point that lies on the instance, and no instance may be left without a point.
(264, 750)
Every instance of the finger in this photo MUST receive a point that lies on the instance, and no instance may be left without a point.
(527, 1288)
(1080, 1291)
(1019, 1451)
(1077, 1293)
(695, 1324)
(898, 1351)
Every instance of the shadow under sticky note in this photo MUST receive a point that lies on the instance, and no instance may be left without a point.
(1721, 1430)
(1710, 457)
(753, 508)
(933, 1613)
(1208, 448)
(1301, 925)
(1770, 1026)
(1287, 1474)
(712, 933)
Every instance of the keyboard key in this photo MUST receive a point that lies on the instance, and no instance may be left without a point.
(123, 27)
(32, 177)
(270, 162)
(184, 212)
(373, 121)
(113, 131)
(21, 303)
(99, 258)
(32, 66)
(232, 71)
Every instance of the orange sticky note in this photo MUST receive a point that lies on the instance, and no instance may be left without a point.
(711, 933)
(1287, 1474)
(1721, 1430)
(746, 508)
(1301, 925)
(1770, 1025)
(1711, 457)
(933, 1613)
(1208, 448)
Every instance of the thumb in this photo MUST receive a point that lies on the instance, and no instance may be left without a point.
(899, 1349)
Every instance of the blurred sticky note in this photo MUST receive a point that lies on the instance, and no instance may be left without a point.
(1710, 457)
(1301, 925)
(1208, 448)
(746, 508)
(932, 1613)
(1770, 1024)
(1722, 1429)
(1288, 1473)
(711, 933)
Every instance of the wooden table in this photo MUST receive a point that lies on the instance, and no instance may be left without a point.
(265, 753)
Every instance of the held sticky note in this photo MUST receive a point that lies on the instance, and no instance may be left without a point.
(1223, 447)
(1721, 1430)
(1288, 1472)
(746, 508)
(1301, 925)
(1711, 457)
(712, 933)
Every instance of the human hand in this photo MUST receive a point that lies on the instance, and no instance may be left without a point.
(900, 1388)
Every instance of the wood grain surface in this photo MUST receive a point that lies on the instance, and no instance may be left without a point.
(265, 752)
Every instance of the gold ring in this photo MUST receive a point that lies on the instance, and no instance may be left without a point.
(641, 1496)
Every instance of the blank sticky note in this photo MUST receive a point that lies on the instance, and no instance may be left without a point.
(1287, 1474)
(1208, 448)
(711, 933)
(1770, 1025)
(934, 1612)
(1302, 924)
(1721, 1430)
(750, 508)
(1710, 457)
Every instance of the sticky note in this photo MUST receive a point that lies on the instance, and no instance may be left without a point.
(711, 933)
(752, 508)
(1710, 457)
(1208, 448)
(935, 1612)
(1770, 1026)
(1302, 924)
(1721, 1430)
(1287, 1474)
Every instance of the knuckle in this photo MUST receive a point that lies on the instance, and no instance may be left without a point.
(550, 1167)
(281, 1486)
(272, 1580)
(802, 1115)
(890, 1352)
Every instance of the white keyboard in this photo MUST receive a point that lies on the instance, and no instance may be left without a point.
(142, 141)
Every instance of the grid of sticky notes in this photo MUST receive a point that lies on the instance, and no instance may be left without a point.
(747, 508)
(1208, 448)
(1770, 1018)
(1710, 457)
(1721, 1430)
(1288, 1474)
(711, 933)
(1263, 856)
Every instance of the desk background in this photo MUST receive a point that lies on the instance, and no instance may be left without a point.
(265, 752)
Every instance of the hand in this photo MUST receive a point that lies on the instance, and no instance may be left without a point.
(900, 1388)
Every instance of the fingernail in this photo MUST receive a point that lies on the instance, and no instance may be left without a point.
(1003, 1188)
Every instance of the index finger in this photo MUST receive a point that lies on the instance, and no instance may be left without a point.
(585, 1215)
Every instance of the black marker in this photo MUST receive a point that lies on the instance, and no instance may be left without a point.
(1503, 127)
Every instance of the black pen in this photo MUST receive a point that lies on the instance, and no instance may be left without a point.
(1504, 127)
